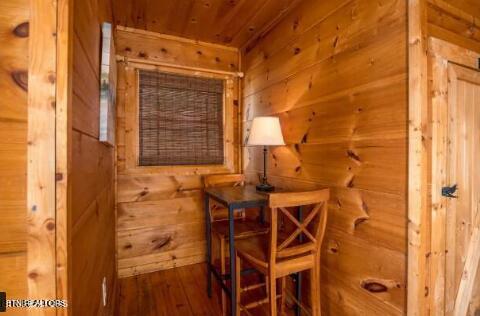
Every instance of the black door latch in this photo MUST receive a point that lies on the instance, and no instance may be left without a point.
(449, 191)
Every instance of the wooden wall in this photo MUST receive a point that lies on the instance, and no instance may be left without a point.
(335, 72)
(93, 216)
(160, 218)
(14, 32)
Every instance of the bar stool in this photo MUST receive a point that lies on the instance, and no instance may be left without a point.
(279, 254)
(244, 226)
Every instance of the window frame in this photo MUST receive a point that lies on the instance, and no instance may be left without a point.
(132, 126)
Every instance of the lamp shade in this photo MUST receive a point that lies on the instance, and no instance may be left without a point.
(266, 131)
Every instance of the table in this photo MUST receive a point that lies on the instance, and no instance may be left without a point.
(234, 198)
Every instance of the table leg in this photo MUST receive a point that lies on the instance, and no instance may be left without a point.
(231, 237)
(209, 244)
(298, 292)
(262, 214)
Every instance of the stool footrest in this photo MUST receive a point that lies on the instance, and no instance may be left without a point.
(253, 287)
(258, 303)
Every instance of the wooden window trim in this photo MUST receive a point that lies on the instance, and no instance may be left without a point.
(132, 126)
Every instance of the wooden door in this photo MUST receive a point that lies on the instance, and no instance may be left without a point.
(454, 254)
(463, 170)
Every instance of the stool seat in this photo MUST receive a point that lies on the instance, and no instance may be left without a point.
(244, 228)
(256, 247)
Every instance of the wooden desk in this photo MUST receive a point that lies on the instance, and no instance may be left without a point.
(232, 198)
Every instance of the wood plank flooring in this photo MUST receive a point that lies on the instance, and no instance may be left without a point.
(179, 291)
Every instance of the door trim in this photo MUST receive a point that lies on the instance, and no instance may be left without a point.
(417, 157)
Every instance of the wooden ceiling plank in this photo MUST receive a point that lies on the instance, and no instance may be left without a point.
(154, 20)
(177, 20)
(264, 19)
(203, 20)
(237, 19)
(227, 22)
(139, 17)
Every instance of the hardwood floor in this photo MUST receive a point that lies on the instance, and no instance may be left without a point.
(179, 291)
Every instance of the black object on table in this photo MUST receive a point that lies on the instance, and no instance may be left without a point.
(233, 198)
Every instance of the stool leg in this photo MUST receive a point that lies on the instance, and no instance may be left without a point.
(222, 272)
(272, 293)
(315, 290)
(267, 286)
(283, 299)
(238, 269)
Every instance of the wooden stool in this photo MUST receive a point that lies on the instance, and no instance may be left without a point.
(244, 227)
(278, 254)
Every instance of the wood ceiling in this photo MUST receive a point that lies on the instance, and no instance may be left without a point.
(469, 6)
(228, 22)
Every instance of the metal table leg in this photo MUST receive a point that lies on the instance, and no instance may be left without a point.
(231, 234)
(298, 292)
(209, 244)
(262, 215)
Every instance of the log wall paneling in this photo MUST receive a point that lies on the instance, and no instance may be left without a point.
(92, 252)
(335, 72)
(41, 220)
(64, 151)
(225, 22)
(35, 236)
(160, 219)
(153, 47)
(14, 34)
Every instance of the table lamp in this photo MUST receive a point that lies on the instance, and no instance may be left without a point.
(265, 131)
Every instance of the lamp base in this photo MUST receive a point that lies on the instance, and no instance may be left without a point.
(265, 187)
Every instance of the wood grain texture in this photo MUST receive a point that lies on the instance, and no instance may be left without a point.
(13, 148)
(454, 246)
(335, 74)
(418, 167)
(457, 22)
(154, 47)
(160, 218)
(92, 225)
(63, 143)
(438, 90)
(41, 224)
(231, 23)
(179, 292)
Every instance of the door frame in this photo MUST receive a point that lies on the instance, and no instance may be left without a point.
(428, 57)
(441, 57)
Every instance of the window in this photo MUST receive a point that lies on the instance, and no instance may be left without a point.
(180, 120)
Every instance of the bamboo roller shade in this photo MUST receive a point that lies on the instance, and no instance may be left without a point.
(180, 120)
